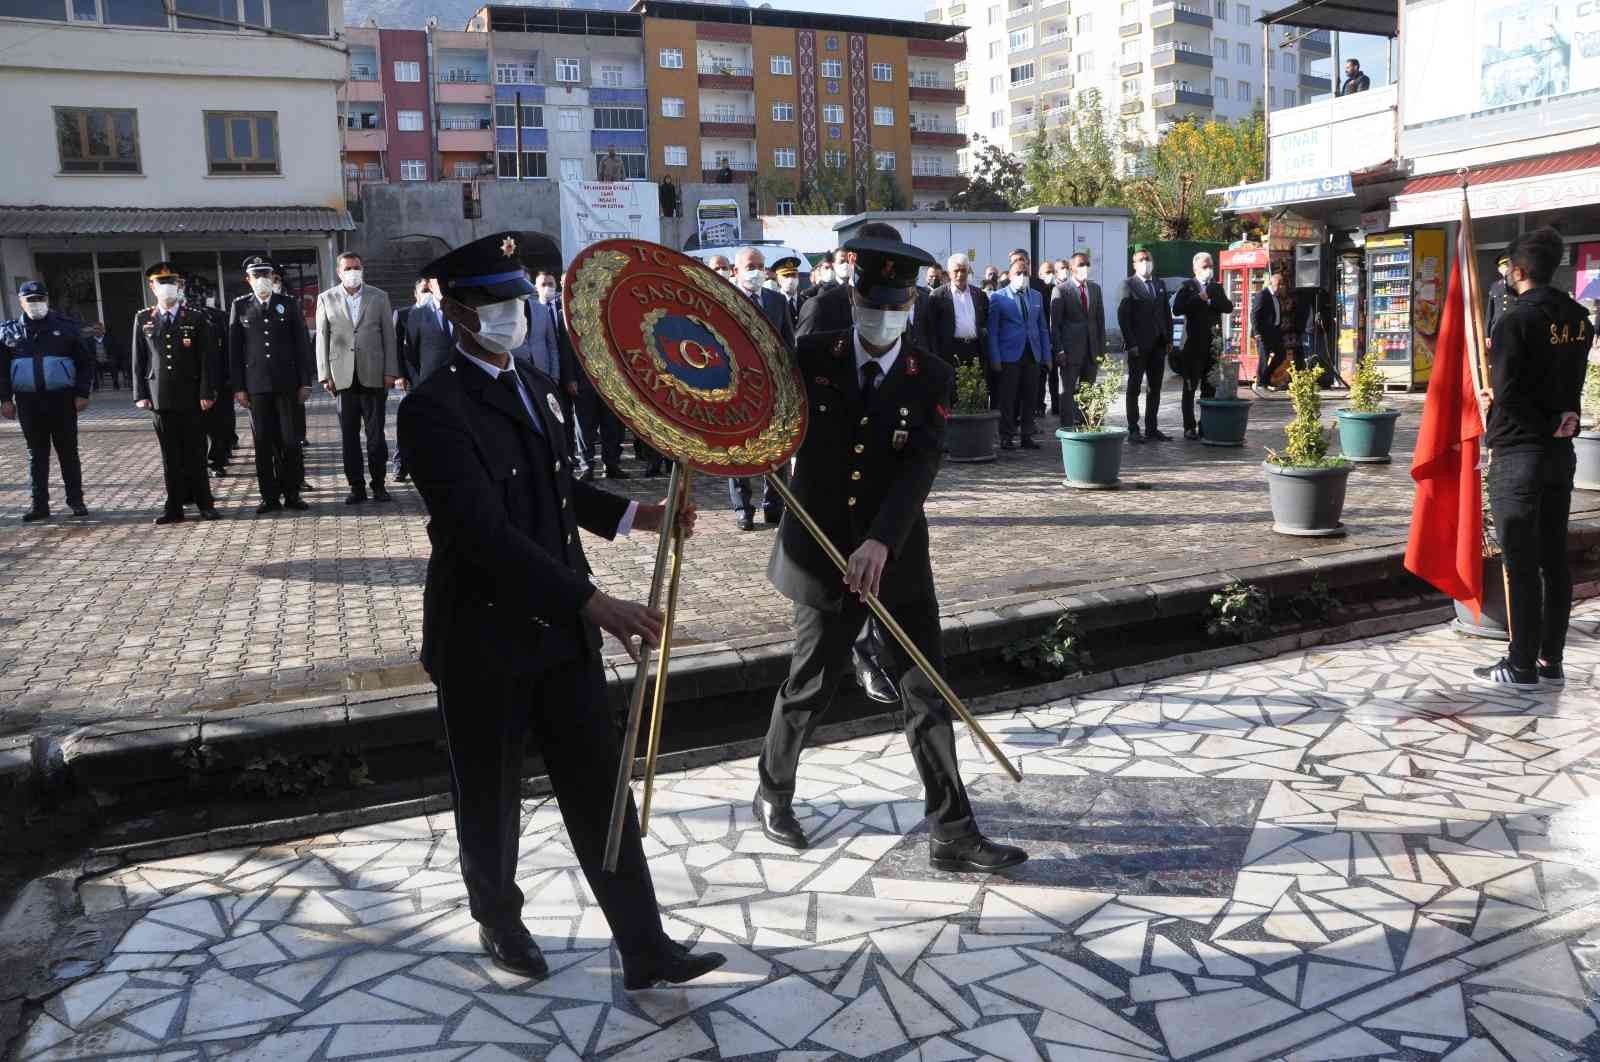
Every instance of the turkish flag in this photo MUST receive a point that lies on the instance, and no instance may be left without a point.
(1445, 546)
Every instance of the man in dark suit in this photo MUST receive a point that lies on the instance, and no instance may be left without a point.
(875, 442)
(1202, 304)
(175, 364)
(958, 316)
(220, 426)
(409, 372)
(1266, 321)
(1077, 335)
(750, 273)
(832, 311)
(1146, 323)
(271, 374)
(546, 327)
(430, 342)
(511, 622)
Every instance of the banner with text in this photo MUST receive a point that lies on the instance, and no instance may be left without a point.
(592, 211)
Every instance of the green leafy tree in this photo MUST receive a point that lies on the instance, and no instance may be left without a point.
(884, 192)
(1168, 192)
(995, 183)
(1076, 162)
(829, 192)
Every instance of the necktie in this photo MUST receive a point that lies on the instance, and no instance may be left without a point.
(508, 380)
(869, 379)
(1083, 298)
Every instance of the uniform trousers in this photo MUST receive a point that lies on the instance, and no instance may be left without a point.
(50, 419)
(1019, 395)
(1530, 494)
(1144, 366)
(488, 716)
(182, 434)
(821, 660)
(280, 462)
(1196, 364)
(219, 430)
(361, 410)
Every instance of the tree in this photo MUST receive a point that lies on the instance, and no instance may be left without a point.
(767, 187)
(1075, 163)
(829, 192)
(884, 192)
(1168, 195)
(996, 182)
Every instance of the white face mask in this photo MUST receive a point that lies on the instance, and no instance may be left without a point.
(880, 327)
(822, 276)
(1204, 276)
(262, 286)
(1143, 267)
(351, 278)
(752, 279)
(502, 326)
(789, 285)
(1019, 281)
(1081, 272)
(841, 272)
(167, 292)
(36, 309)
(425, 298)
(547, 292)
(277, 287)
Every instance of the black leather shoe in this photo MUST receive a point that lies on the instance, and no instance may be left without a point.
(613, 472)
(1157, 436)
(746, 521)
(35, 514)
(79, 510)
(168, 518)
(772, 517)
(975, 853)
(218, 471)
(1007, 444)
(1190, 434)
(402, 477)
(356, 497)
(268, 507)
(379, 494)
(210, 514)
(1029, 444)
(297, 503)
(514, 951)
(587, 475)
(1135, 437)
(873, 679)
(673, 966)
(779, 824)
(307, 487)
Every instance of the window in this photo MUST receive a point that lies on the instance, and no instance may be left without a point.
(408, 121)
(610, 75)
(672, 58)
(506, 167)
(632, 165)
(832, 114)
(1272, 98)
(1289, 98)
(996, 85)
(1289, 62)
(995, 49)
(785, 206)
(782, 66)
(241, 142)
(783, 158)
(619, 117)
(1220, 88)
(1020, 39)
(411, 71)
(832, 68)
(672, 106)
(1086, 62)
(883, 116)
(1241, 53)
(836, 159)
(572, 169)
(882, 72)
(97, 141)
(1131, 48)
(466, 171)
(532, 116)
(1219, 47)
(674, 155)
(1130, 9)
(994, 14)
(1130, 86)
(1244, 92)
(413, 170)
(308, 17)
(997, 119)
(505, 115)
(1222, 10)
(516, 73)
(534, 164)
(1241, 14)
(569, 70)
(1022, 73)
(783, 112)
(883, 161)
(571, 119)
(1085, 24)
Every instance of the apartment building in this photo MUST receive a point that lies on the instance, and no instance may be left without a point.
(1152, 63)
(787, 97)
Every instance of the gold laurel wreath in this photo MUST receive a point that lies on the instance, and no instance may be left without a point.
(769, 448)
(715, 394)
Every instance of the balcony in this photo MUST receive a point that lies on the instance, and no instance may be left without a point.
(936, 182)
(1170, 55)
(477, 139)
(461, 86)
(366, 140)
(1023, 121)
(956, 10)
(363, 72)
(1056, 40)
(956, 49)
(1130, 29)
(1316, 43)
(720, 75)
(1133, 107)
(1179, 14)
(468, 124)
(363, 91)
(728, 126)
(740, 168)
(466, 171)
(1163, 96)
(938, 92)
(1130, 69)
(1336, 134)
(1060, 79)
(937, 134)
(1320, 86)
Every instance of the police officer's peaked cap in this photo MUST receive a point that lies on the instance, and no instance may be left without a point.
(255, 262)
(1504, 259)
(484, 271)
(886, 270)
(33, 289)
(786, 267)
(163, 271)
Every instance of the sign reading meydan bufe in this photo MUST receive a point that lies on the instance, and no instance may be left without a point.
(1268, 194)
(684, 359)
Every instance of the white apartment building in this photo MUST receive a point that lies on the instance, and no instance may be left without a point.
(1152, 62)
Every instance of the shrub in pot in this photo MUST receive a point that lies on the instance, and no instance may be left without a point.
(1225, 416)
(1305, 485)
(973, 430)
(1091, 455)
(1587, 443)
(1366, 425)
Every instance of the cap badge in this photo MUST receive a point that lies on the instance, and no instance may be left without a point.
(887, 272)
(508, 247)
(280, 309)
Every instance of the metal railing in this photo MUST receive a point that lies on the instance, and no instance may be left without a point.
(932, 81)
(722, 69)
(470, 125)
(728, 118)
(363, 73)
(462, 77)
(933, 127)
(362, 123)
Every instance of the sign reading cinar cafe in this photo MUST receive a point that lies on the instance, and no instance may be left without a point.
(1267, 194)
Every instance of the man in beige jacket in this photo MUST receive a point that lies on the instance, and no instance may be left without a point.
(358, 363)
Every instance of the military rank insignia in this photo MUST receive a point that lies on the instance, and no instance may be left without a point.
(899, 439)
(913, 366)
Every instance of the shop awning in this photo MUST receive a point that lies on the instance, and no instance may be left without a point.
(1549, 182)
(1269, 195)
(126, 221)
(1381, 18)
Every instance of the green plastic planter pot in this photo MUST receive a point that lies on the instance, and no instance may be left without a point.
(1223, 421)
(1366, 437)
(1307, 502)
(1091, 459)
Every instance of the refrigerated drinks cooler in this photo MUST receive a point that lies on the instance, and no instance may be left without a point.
(1243, 271)
(1351, 310)
(1404, 293)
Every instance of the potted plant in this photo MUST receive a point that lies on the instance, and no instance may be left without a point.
(1366, 425)
(973, 429)
(1092, 455)
(1492, 621)
(1588, 442)
(1225, 416)
(1305, 485)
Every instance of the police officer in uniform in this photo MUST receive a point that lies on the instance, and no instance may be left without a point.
(511, 621)
(175, 362)
(271, 375)
(306, 486)
(46, 373)
(1501, 296)
(875, 442)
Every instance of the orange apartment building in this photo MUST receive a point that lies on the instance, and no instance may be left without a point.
(788, 95)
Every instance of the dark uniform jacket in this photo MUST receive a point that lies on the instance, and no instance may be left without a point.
(1500, 299)
(174, 365)
(508, 577)
(834, 310)
(814, 290)
(1202, 312)
(1143, 315)
(1537, 362)
(269, 346)
(218, 319)
(50, 354)
(864, 480)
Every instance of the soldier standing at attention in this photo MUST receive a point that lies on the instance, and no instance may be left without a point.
(878, 410)
(1501, 296)
(175, 365)
(46, 372)
(271, 374)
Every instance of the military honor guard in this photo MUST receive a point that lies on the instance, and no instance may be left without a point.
(875, 442)
(175, 365)
(512, 620)
(46, 375)
(271, 371)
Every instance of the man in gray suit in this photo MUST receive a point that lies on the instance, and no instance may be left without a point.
(1077, 334)
(357, 363)
(749, 275)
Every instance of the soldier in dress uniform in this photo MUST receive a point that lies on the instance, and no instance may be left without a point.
(271, 372)
(175, 366)
(511, 621)
(876, 438)
(220, 436)
(786, 271)
(1501, 297)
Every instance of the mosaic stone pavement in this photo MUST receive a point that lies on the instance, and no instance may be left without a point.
(1342, 854)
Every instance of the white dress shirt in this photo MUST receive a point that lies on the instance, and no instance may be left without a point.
(352, 303)
(886, 360)
(966, 315)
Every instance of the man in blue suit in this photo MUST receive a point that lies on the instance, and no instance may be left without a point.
(1019, 342)
(545, 351)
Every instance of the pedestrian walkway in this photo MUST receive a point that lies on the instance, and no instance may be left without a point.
(1341, 854)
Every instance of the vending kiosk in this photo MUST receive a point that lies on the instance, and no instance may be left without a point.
(1351, 309)
(1242, 271)
(1405, 294)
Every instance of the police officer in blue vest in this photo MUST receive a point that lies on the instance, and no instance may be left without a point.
(46, 371)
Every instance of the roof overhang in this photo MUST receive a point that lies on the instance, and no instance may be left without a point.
(1380, 18)
(129, 221)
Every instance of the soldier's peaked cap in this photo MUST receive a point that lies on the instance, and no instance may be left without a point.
(484, 271)
(886, 270)
(162, 271)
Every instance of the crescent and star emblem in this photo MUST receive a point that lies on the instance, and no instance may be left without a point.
(696, 355)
